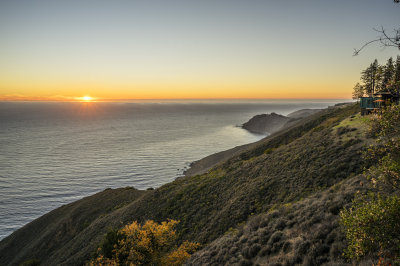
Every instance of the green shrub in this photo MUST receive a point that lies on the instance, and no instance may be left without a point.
(372, 225)
(372, 228)
(107, 244)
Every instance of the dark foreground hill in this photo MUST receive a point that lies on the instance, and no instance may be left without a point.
(275, 202)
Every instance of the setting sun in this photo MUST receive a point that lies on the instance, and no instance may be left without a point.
(85, 99)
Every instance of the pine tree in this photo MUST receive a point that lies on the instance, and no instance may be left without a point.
(368, 77)
(358, 91)
(379, 74)
(396, 76)
(387, 78)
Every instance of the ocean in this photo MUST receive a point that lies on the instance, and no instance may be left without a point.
(55, 153)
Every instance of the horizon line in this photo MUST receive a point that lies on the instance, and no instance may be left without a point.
(164, 99)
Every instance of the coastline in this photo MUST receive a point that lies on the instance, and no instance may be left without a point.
(227, 193)
(204, 164)
(200, 166)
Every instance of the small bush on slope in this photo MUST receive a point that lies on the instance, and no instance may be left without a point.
(147, 244)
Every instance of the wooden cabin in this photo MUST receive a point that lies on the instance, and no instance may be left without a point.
(375, 103)
(367, 105)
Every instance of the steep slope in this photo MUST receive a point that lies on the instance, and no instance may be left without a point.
(203, 165)
(286, 167)
(306, 232)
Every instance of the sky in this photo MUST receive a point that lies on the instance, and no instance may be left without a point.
(170, 49)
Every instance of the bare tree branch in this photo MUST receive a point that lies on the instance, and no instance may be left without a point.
(385, 39)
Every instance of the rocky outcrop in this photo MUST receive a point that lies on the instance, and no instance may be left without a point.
(266, 123)
(271, 123)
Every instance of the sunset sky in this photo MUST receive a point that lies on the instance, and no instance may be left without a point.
(116, 50)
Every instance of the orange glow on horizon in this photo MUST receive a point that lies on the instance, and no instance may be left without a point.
(79, 99)
(177, 86)
(196, 91)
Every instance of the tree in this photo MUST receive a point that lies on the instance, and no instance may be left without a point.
(379, 78)
(358, 91)
(369, 77)
(387, 78)
(396, 77)
(147, 244)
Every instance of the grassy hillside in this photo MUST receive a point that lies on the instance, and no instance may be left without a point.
(304, 232)
(290, 167)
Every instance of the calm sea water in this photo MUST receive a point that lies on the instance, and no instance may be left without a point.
(55, 153)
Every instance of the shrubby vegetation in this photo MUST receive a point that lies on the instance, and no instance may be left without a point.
(372, 224)
(373, 228)
(306, 232)
(387, 151)
(147, 244)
